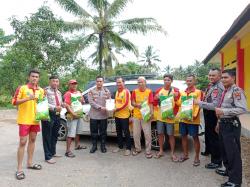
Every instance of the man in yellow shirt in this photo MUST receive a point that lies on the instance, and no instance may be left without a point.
(191, 127)
(122, 114)
(25, 99)
(139, 96)
(166, 126)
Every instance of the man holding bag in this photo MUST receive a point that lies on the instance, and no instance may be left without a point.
(190, 118)
(142, 101)
(51, 127)
(74, 100)
(165, 98)
(25, 99)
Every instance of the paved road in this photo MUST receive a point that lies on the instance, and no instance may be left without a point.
(99, 169)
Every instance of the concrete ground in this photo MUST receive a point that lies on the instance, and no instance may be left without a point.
(99, 169)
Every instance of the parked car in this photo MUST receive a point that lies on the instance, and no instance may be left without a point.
(111, 130)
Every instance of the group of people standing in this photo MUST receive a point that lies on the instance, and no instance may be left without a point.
(222, 102)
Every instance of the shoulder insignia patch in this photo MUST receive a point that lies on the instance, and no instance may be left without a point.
(215, 92)
(237, 95)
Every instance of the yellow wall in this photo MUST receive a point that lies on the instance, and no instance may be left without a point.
(245, 44)
(230, 55)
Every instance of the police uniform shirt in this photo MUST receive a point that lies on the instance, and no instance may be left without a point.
(97, 99)
(50, 94)
(213, 96)
(234, 102)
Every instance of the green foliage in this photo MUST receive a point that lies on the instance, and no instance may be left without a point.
(150, 56)
(38, 43)
(5, 101)
(198, 69)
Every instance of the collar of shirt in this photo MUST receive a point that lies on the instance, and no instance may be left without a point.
(120, 90)
(30, 86)
(189, 90)
(73, 91)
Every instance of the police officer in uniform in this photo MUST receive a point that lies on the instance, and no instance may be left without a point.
(98, 114)
(232, 104)
(211, 100)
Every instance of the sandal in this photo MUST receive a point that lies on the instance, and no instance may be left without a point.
(134, 153)
(69, 154)
(158, 155)
(149, 155)
(175, 158)
(35, 167)
(80, 147)
(20, 175)
(196, 163)
(183, 158)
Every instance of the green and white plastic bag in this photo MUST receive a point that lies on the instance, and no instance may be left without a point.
(145, 111)
(42, 109)
(186, 112)
(166, 107)
(76, 105)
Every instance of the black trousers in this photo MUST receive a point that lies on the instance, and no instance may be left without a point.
(122, 127)
(231, 150)
(212, 140)
(98, 127)
(50, 134)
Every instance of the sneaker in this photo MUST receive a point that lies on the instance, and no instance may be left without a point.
(116, 150)
(127, 152)
(230, 184)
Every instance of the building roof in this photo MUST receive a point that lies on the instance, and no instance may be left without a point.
(241, 20)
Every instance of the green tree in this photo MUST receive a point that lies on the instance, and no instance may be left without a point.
(4, 41)
(150, 56)
(39, 42)
(104, 30)
(168, 69)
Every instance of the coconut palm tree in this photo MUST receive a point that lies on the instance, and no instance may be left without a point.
(103, 29)
(150, 56)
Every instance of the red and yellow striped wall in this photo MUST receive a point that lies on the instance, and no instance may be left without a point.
(236, 54)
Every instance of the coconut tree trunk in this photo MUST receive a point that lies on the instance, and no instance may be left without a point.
(100, 52)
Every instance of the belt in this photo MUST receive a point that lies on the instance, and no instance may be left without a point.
(233, 121)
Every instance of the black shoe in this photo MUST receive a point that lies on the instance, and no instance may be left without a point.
(230, 184)
(221, 172)
(103, 149)
(205, 153)
(212, 166)
(93, 149)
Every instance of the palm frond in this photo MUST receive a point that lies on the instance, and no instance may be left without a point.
(73, 7)
(116, 7)
(140, 25)
(122, 43)
(80, 44)
(98, 5)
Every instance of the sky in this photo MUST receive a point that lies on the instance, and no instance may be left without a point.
(193, 27)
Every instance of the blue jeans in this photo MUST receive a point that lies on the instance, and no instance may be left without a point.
(50, 134)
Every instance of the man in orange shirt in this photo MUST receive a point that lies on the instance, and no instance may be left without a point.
(191, 127)
(25, 99)
(140, 95)
(166, 126)
(122, 114)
